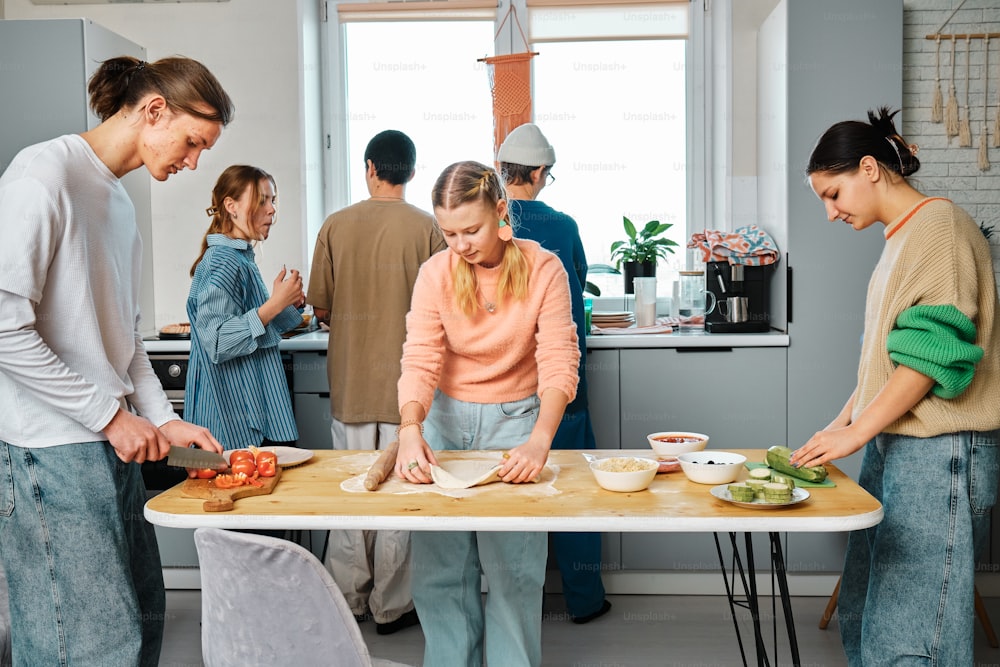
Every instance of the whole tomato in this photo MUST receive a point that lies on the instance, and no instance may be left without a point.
(245, 466)
(240, 455)
(205, 473)
(267, 464)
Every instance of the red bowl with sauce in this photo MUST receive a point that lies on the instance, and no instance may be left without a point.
(672, 443)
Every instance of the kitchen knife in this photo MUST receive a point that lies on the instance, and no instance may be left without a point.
(189, 457)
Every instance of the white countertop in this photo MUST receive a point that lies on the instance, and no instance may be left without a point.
(317, 341)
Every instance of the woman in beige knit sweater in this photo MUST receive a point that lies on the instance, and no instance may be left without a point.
(924, 407)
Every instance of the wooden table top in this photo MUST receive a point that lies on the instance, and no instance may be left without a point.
(312, 495)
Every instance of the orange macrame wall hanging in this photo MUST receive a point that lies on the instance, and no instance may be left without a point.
(510, 80)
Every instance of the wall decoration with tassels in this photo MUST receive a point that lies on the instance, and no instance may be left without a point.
(950, 113)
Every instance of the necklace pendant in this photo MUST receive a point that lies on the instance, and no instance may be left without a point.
(490, 307)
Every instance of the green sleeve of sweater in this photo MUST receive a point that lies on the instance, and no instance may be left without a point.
(938, 342)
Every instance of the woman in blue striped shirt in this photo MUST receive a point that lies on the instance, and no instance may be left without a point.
(236, 385)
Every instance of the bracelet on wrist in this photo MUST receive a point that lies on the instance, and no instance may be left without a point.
(410, 422)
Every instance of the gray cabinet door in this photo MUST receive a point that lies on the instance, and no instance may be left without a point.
(602, 397)
(312, 416)
(603, 402)
(734, 395)
(311, 399)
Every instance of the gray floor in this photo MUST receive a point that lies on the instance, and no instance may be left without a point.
(639, 631)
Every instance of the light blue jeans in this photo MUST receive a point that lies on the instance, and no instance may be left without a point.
(578, 554)
(907, 591)
(86, 587)
(447, 565)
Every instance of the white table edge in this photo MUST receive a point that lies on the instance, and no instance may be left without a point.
(778, 521)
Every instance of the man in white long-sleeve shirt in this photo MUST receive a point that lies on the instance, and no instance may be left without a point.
(82, 563)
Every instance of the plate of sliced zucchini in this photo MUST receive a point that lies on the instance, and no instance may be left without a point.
(737, 495)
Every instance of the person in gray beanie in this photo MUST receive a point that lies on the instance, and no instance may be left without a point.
(526, 159)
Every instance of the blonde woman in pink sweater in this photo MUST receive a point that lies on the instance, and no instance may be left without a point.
(490, 362)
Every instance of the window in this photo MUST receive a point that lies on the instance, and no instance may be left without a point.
(439, 100)
(610, 89)
(615, 113)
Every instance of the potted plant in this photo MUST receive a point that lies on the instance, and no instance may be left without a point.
(637, 255)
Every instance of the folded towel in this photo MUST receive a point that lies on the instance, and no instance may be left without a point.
(749, 245)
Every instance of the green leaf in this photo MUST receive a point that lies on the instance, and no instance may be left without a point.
(629, 228)
(651, 228)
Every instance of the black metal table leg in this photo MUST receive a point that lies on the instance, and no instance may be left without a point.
(748, 580)
(778, 562)
(731, 590)
(754, 603)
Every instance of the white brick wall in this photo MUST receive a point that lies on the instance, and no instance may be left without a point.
(948, 170)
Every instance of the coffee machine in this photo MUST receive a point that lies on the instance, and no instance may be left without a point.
(725, 280)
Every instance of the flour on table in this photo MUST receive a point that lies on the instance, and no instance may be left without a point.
(460, 474)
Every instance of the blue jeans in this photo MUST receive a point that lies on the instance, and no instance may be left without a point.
(907, 591)
(86, 587)
(447, 565)
(578, 554)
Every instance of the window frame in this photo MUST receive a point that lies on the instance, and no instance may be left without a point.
(699, 87)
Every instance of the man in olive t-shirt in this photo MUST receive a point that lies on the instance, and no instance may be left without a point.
(365, 263)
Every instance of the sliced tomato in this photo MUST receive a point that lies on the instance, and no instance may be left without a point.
(228, 482)
(205, 473)
(267, 464)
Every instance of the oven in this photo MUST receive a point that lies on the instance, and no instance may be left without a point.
(178, 554)
(171, 369)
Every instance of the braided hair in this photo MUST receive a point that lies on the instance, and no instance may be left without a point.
(470, 181)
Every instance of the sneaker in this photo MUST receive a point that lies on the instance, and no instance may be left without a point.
(404, 621)
(605, 608)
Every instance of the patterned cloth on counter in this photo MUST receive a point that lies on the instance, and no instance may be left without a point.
(749, 245)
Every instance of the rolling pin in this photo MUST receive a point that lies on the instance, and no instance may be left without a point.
(382, 467)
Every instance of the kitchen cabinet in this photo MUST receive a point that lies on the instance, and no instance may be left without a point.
(603, 373)
(311, 399)
(736, 395)
(45, 65)
(603, 401)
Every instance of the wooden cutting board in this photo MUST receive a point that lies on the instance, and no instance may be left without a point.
(222, 500)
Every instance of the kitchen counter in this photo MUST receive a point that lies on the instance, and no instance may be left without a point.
(317, 341)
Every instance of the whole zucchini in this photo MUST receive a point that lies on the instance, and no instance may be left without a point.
(777, 458)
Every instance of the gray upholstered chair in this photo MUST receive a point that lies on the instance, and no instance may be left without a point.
(266, 601)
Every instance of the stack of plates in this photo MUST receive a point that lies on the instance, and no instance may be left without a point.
(612, 319)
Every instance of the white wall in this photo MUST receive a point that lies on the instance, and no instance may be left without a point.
(255, 48)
